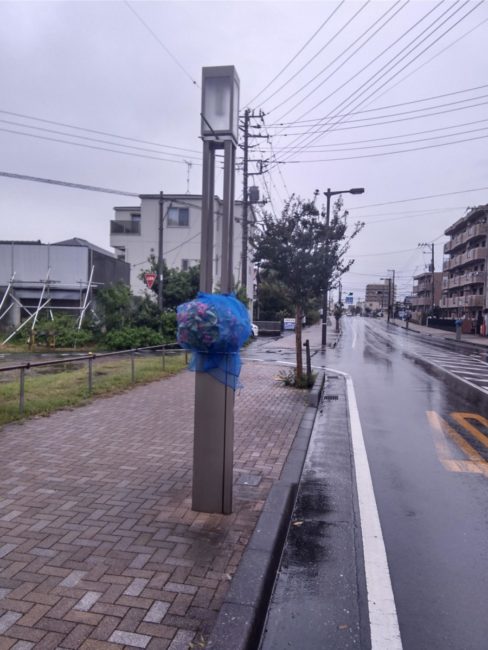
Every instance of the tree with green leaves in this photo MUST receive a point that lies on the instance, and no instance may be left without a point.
(304, 253)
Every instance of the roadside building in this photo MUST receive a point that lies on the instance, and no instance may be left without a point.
(62, 276)
(425, 296)
(379, 296)
(464, 283)
(135, 232)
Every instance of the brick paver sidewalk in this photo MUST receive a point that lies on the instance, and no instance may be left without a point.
(99, 546)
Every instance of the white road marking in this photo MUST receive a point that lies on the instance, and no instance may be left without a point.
(383, 619)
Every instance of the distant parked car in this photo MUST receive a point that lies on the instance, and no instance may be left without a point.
(254, 331)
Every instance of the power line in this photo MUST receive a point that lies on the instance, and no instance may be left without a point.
(287, 65)
(367, 65)
(362, 126)
(335, 35)
(399, 81)
(89, 146)
(394, 137)
(155, 36)
(391, 64)
(97, 132)
(331, 63)
(316, 121)
(421, 198)
(394, 144)
(78, 186)
(384, 153)
(85, 137)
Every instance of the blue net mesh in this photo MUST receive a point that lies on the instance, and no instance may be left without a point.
(214, 327)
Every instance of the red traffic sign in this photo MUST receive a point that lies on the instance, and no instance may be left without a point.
(149, 277)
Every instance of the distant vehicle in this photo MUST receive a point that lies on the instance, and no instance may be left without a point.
(254, 331)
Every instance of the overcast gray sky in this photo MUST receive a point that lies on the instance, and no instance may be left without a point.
(346, 87)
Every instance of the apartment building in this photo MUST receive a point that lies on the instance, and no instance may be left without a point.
(425, 296)
(134, 234)
(379, 296)
(464, 282)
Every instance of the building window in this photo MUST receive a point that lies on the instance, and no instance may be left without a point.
(179, 217)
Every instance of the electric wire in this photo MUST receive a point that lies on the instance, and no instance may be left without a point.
(85, 137)
(390, 65)
(394, 144)
(392, 137)
(78, 186)
(156, 37)
(394, 121)
(316, 121)
(287, 65)
(305, 65)
(374, 92)
(363, 68)
(88, 146)
(97, 132)
(385, 153)
(341, 65)
(441, 51)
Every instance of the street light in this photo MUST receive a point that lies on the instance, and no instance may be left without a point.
(328, 194)
(213, 443)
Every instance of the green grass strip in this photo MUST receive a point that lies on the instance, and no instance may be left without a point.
(52, 388)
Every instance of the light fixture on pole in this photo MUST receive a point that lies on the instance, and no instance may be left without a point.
(329, 193)
(214, 401)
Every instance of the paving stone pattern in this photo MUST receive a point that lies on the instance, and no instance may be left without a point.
(99, 547)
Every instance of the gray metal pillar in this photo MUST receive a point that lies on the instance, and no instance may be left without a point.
(213, 444)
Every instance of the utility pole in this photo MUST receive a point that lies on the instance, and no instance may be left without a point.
(433, 278)
(432, 271)
(392, 271)
(245, 197)
(160, 254)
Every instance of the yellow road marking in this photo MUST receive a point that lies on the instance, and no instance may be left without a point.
(462, 419)
(442, 431)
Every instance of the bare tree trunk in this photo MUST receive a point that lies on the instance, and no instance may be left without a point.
(298, 342)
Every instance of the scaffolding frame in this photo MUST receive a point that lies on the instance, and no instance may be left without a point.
(43, 303)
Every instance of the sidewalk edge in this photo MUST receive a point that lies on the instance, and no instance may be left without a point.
(464, 388)
(242, 615)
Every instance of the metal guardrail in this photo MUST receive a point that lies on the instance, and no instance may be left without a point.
(90, 358)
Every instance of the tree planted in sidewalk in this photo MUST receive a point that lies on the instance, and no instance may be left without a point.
(305, 253)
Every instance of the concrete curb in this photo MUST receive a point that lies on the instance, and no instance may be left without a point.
(464, 388)
(242, 615)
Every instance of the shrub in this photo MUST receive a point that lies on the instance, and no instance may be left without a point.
(131, 337)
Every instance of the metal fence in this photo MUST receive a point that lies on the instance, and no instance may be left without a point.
(166, 350)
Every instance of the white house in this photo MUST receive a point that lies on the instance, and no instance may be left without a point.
(134, 234)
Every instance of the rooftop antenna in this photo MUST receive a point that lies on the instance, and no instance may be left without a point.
(189, 165)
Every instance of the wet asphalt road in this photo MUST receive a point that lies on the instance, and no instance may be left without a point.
(433, 506)
(427, 451)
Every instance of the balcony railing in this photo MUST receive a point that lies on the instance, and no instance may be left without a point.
(125, 227)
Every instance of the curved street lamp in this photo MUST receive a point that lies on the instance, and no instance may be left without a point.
(329, 193)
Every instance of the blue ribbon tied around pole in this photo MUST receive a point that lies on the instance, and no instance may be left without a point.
(214, 327)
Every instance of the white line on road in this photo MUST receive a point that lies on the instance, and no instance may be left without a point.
(385, 632)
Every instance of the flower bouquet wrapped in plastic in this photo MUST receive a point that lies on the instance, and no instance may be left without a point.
(214, 327)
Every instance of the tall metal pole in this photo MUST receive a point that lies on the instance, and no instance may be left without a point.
(389, 300)
(326, 285)
(160, 254)
(245, 198)
(433, 279)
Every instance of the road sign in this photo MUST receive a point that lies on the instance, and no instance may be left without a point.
(350, 298)
(149, 278)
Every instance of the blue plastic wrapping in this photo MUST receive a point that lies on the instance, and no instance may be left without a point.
(214, 327)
